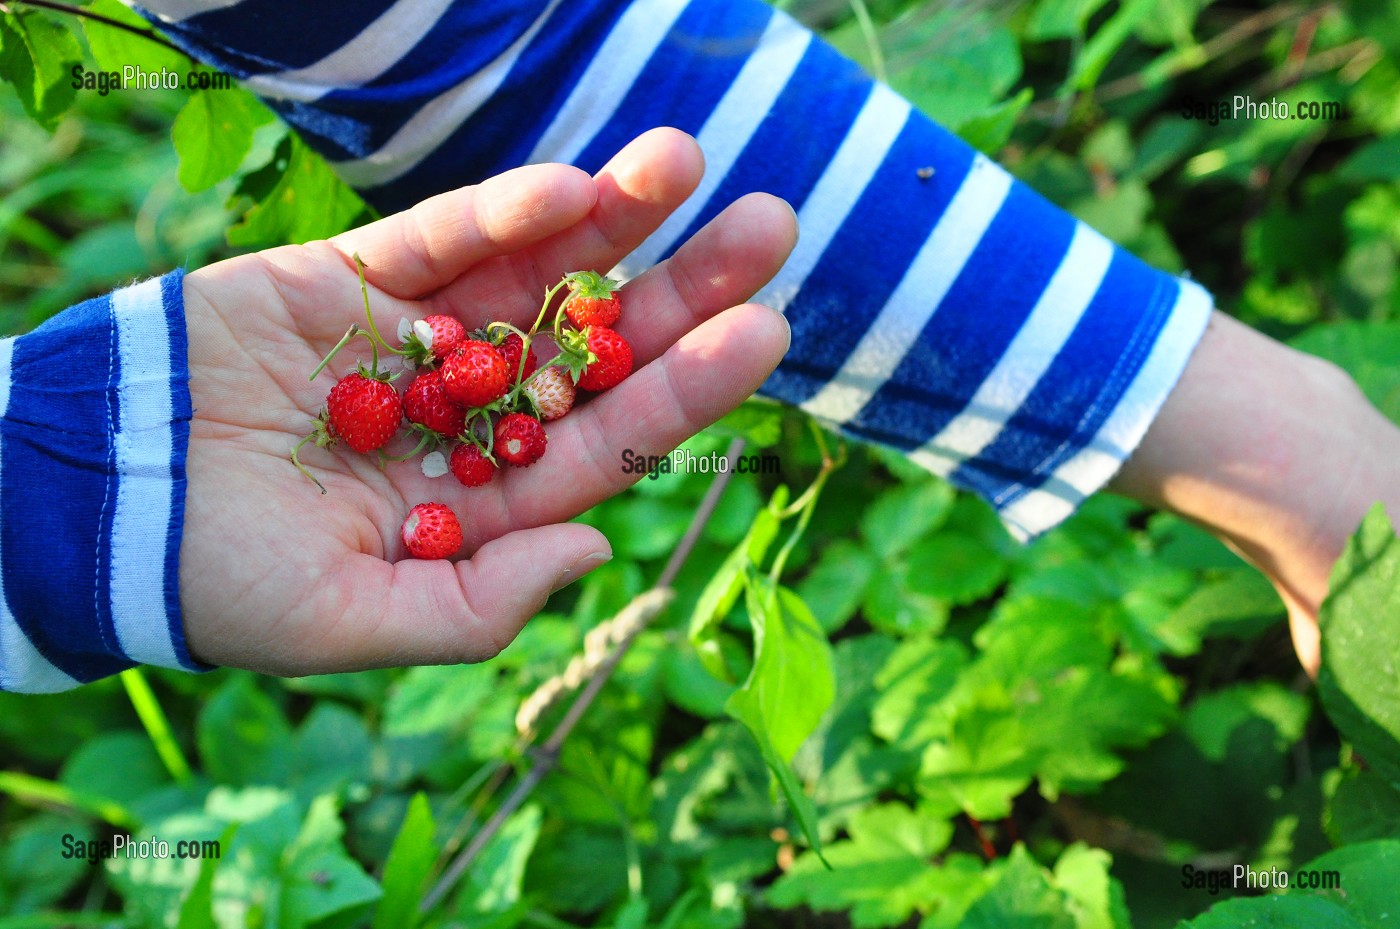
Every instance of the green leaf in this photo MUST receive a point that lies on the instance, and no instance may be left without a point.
(1023, 897)
(213, 134)
(437, 698)
(989, 132)
(494, 882)
(242, 735)
(319, 879)
(1360, 680)
(115, 48)
(1060, 19)
(789, 689)
(33, 871)
(902, 515)
(837, 583)
(1365, 350)
(408, 867)
(881, 874)
(1213, 718)
(723, 589)
(1368, 874)
(954, 567)
(1104, 44)
(917, 678)
(307, 202)
(122, 766)
(1274, 912)
(197, 909)
(37, 54)
(1363, 806)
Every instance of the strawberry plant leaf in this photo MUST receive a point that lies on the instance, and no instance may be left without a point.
(36, 57)
(496, 877)
(902, 515)
(1363, 806)
(408, 867)
(436, 698)
(1360, 620)
(115, 48)
(319, 879)
(837, 583)
(197, 909)
(307, 202)
(789, 689)
(213, 133)
(243, 737)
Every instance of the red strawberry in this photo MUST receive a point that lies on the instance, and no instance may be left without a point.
(552, 392)
(431, 530)
(520, 439)
(593, 300)
(364, 411)
(443, 334)
(510, 351)
(447, 333)
(614, 360)
(470, 466)
(474, 373)
(426, 402)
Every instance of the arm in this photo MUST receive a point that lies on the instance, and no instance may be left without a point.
(957, 316)
(1274, 451)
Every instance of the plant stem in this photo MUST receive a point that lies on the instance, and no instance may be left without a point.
(152, 717)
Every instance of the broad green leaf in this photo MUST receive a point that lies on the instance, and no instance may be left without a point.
(495, 879)
(1367, 875)
(1104, 43)
(116, 48)
(33, 870)
(1363, 805)
(953, 64)
(213, 134)
(319, 879)
(243, 737)
(307, 202)
(903, 514)
(122, 766)
(954, 567)
(1022, 897)
(197, 909)
(1060, 19)
(1377, 160)
(917, 678)
(989, 132)
(724, 587)
(757, 421)
(1360, 678)
(407, 868)
(1213, 718)
(789, 689)
(330, 751)
(837, 583)
(1274, 912)
(437, 698)
(37, 53)
(882, 874)
(1364, 350)
(987, 760)
(1095, 899)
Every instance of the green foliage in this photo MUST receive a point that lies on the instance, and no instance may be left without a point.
(866, 702)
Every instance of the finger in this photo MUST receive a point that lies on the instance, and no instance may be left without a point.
(437, 612)
(637, 189)
(704, 375)
(722, 265)
(428, 246)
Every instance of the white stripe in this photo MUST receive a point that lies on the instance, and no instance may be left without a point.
(143, 447)
(1096, 463)
(438, 119)
(379, 46)
(937, 265)
(733, 122)
(875, 129)
(173, 11)
(609, 76)
(22, 668)
(1027, 358)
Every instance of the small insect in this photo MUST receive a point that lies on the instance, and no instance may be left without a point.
(924, 173)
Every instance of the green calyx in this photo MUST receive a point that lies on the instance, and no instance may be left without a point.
(591, 284)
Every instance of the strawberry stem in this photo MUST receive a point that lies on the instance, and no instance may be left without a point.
(428, 436)
(376, 341)
(544, 307)
(301, 467)
(344, 340)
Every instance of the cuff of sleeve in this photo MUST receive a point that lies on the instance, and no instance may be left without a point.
(92, 490)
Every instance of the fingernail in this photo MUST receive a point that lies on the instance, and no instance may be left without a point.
(579, 568)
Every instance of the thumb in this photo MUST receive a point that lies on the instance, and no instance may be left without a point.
(441, 612)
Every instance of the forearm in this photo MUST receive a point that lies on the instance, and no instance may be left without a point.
(1275, 451)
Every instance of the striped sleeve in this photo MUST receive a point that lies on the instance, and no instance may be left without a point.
(94, 424)
(937, 305)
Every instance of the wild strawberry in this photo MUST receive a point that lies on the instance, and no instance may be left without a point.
(520, 439)
(593, 300)
(552, 392)
(429, 340)
(474, 373)
(470, 466)
(510, 351)
(431, 530)
(614, 359)
(426, 402)
(364, 411)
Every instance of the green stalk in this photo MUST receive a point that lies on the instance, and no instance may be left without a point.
(143, 699)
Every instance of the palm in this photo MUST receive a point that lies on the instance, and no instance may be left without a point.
(277, 577)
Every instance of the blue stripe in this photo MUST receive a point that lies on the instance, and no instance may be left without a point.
(57, 450)
(824, 95)
(974, 324)
(503, 132)
(181, 413)
(685, 78)
(885, 230)
(1081, 388)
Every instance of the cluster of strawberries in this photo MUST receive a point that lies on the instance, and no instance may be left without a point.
(481, 398)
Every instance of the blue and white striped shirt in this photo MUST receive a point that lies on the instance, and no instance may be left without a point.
(992, 337)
